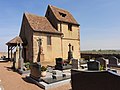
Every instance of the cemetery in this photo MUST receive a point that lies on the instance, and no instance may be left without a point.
(66, 71)
(43, 39)
(71, 71)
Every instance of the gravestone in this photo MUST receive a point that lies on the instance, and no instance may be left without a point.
(36, 66)
(93, 65)
(59, 64)
(113, 61)
(70, 54)
(17, 58)
(75, 63)
(102, 63)
(21, 62)
(35, 71)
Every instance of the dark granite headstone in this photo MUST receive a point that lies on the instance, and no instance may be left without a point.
(59, 61)
(113, 61)
(93, 65)
(102, 62)
(35, 71)
(59, 64)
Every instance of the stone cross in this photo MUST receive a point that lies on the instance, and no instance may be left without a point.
(70, 56)
(40, 48)
(69, 47)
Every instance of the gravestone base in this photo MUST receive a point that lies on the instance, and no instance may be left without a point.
(38, 79)
(46, 86)
(53, 79)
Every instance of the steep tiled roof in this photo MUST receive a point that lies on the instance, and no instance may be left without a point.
(40, 24)
(15, 40)
(63, 15)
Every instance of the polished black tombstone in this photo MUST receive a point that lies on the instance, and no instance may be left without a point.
(95, 80)
(93, 65)
(113, 61)
(61, 65)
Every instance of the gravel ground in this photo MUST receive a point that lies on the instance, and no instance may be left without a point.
(14, 81)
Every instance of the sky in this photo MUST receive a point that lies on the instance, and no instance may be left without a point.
(99, 20)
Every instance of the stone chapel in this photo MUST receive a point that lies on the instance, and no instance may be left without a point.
(54, 32)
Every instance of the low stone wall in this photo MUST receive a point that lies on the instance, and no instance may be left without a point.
(95, 80)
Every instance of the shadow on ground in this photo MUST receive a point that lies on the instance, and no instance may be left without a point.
(26, 79)
(9, 68)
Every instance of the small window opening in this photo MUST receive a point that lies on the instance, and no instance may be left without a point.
(70, 27)
(48, 40)
(62, 14)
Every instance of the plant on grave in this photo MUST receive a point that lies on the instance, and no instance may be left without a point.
(43, 68)
(101, 68)
(27, 65)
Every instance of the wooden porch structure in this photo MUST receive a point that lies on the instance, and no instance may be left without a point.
(12, 44)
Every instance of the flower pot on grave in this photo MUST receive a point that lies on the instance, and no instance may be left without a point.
(43, 73)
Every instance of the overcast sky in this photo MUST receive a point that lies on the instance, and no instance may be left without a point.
(99, 20)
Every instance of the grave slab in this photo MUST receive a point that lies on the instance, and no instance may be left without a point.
(46, 86)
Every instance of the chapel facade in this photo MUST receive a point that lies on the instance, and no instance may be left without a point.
(56, 30)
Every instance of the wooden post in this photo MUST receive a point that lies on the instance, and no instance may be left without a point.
(8, 53)
(20, 58)
(11, 52)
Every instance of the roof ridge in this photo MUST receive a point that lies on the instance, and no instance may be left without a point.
(59, 14)
(40, 23)
(58, 8)
(27, 13)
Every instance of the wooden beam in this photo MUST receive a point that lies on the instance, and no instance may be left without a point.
(11, 52)
(8, 53)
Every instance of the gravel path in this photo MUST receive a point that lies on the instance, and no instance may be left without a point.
(14, 81)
